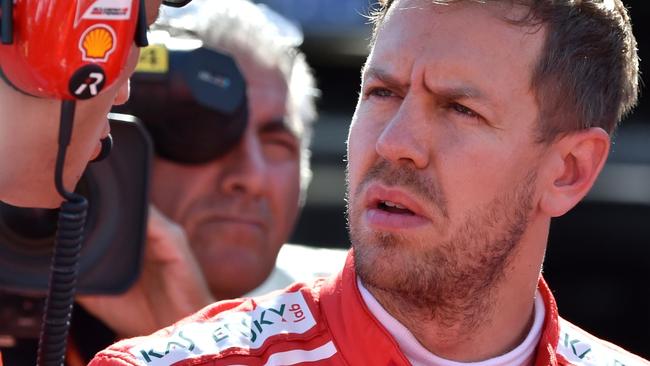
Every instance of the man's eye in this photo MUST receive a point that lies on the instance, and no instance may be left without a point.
(379, 92)
(280, 147)
(461, 109)
(286, 143)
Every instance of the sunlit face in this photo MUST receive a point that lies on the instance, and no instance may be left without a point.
(441, 153)
(240, 209)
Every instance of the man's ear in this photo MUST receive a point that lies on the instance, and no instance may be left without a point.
(577, 159)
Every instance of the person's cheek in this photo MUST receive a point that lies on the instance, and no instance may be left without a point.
(123, 85)
(290, 199)
(123, 93)
(90, 126)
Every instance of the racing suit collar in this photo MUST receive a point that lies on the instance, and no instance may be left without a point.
(361, 339)
(546, 350)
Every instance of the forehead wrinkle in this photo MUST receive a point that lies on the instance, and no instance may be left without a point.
(455, 89)
(444, 86)
(441, 73)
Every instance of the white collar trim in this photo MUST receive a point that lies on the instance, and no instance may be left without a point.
(521, 355)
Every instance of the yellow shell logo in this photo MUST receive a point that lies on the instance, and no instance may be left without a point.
(97, 43)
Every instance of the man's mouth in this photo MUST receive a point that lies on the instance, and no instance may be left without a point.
(215, 217)
(394, 200)
(394, 208)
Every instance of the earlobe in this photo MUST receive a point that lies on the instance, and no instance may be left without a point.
(580, 157)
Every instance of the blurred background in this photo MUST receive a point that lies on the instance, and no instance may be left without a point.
(598, 261)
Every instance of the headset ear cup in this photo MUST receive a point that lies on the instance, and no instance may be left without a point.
(7, 26)
(140, 28)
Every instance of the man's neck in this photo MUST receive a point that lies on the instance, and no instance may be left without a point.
(482, 329)
(504, 325)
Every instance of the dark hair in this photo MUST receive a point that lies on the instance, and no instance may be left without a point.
(588, 72)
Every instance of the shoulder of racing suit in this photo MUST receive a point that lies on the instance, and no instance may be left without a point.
(283, 324)
(576, 347)
(325, 323)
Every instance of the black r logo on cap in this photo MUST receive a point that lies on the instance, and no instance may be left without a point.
(87, 82)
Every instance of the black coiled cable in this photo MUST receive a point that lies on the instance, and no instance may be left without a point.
(65, 261)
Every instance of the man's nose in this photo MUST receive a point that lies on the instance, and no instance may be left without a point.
(406, 136)
(247, 169)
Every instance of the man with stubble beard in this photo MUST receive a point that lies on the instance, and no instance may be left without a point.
(477, 122)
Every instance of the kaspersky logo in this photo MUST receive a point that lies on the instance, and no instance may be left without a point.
(97, 43)
(248, 329)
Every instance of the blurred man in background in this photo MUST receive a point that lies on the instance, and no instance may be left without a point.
(231, 215)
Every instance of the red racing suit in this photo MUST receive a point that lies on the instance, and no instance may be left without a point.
(323, 323)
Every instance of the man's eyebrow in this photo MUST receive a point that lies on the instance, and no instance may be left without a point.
(276, 125)
(456, 92)
(385, 77)
(459, 92)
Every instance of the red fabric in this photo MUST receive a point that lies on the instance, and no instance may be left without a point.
(342, 318)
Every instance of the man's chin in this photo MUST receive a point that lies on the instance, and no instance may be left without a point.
(374, 265)
(229, 280)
